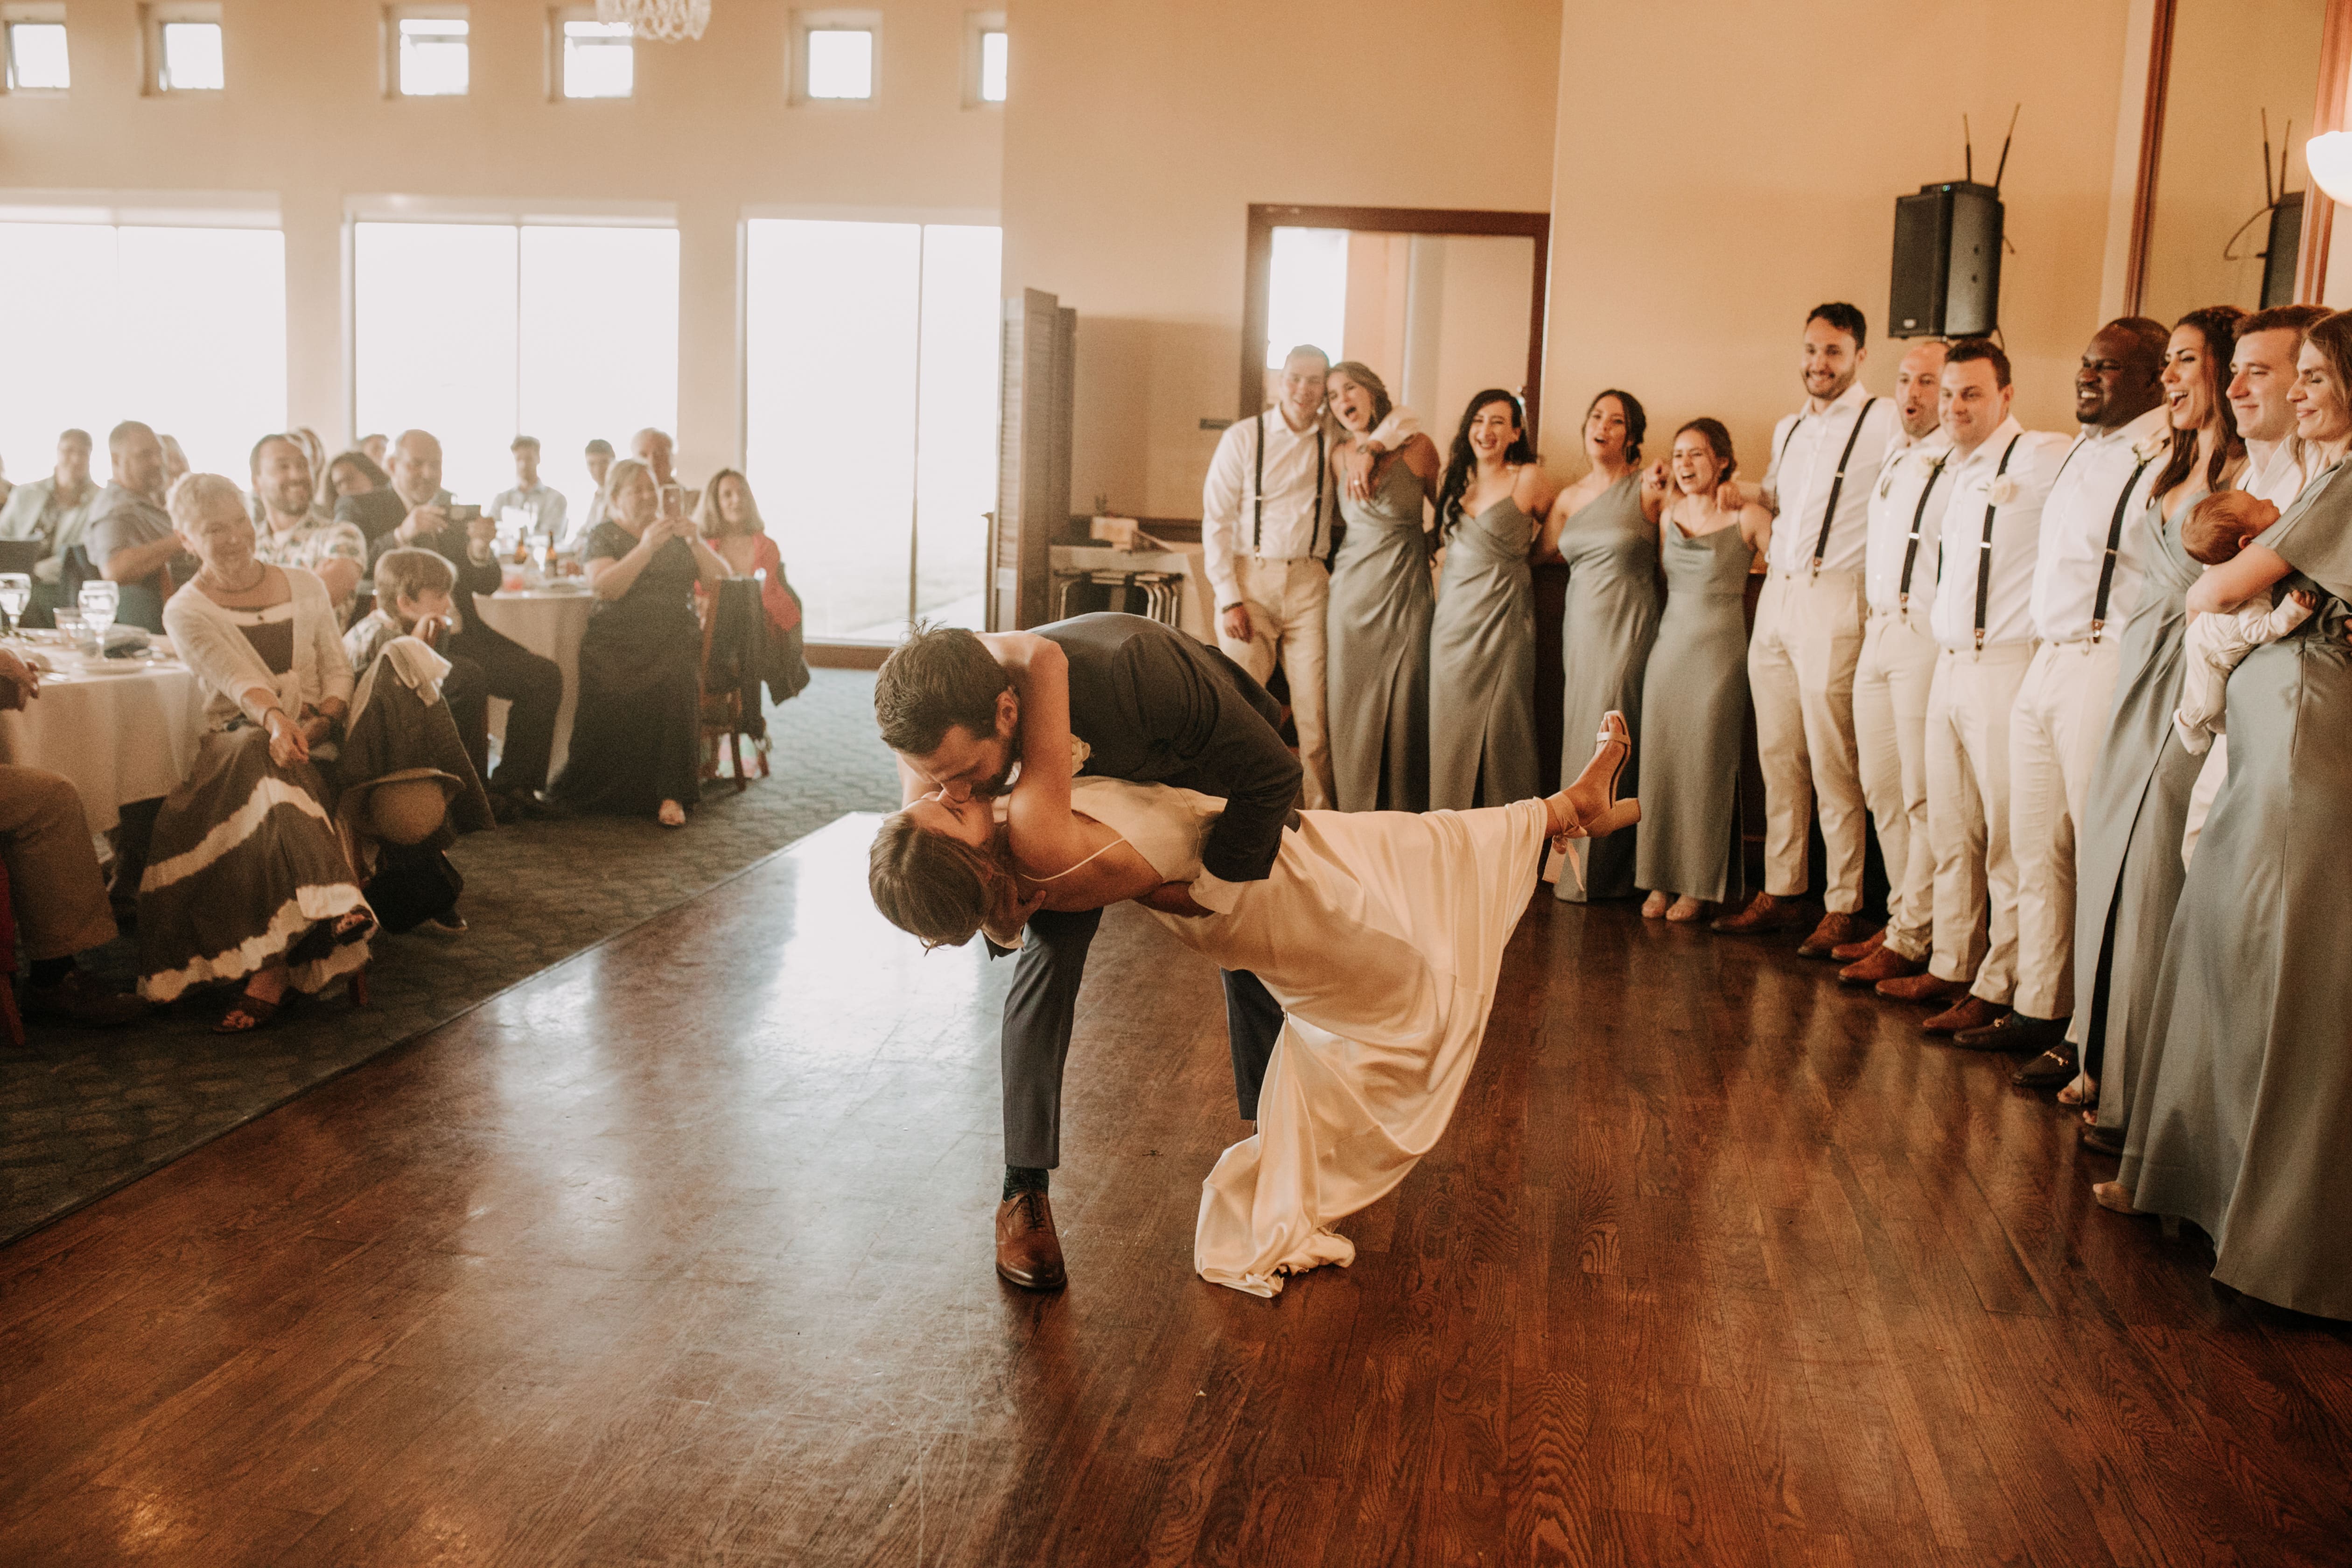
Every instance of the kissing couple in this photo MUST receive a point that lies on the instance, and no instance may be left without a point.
(1053, 773)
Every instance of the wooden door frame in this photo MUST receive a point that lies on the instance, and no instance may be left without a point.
(1258, 276)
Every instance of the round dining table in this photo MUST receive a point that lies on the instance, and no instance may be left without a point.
(550, 622)
(121, 729)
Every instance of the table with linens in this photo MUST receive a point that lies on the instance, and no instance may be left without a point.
(550, 622)
(121, 729)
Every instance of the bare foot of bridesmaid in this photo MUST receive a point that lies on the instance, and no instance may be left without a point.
(2112, 1195)
(1654, 906)
(1687, 909)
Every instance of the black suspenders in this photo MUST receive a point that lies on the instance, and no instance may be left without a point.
(1258, 520)
(2114, 538)
(1837, 482)
(1918, 515)
(1984, 551)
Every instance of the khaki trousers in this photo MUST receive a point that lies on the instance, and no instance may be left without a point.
(1891, 684)
(1286, 601)
(1801, 664)
(2054, 730)
(53, 880)
(1967, 818)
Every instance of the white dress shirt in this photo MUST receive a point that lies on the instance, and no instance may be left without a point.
(2279, 476)
(1806, 447)
(2016, 506)
(1913, 471)
(544, 502)
(2077, 518)
(1290, 527)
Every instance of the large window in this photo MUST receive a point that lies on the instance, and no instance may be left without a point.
(432, 50)
(33, 40)
(594, 58)
(184, 48)
(482, 332)
(833, 56)
(870, 407)
(182, 328)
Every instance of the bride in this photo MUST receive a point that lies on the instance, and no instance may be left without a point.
(1380, 933)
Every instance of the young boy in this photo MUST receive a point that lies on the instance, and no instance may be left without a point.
(2215, 530)
(413, 599)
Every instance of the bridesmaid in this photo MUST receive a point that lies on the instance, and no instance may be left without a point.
(1378, 711)
(2239, 1123)
(2128, 860)
(1605, 528)
(1694, 694)
(1482, 640)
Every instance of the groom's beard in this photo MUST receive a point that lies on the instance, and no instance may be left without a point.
(1001, 784)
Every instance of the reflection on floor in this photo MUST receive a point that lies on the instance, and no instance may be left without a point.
(681, 1253)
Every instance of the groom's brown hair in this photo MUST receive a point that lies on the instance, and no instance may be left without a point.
(940, 677)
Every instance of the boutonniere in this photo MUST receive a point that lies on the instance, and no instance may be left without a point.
(1079, 753)
(2003, 491)
(2150, 447)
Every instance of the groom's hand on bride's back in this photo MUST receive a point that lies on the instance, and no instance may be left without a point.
(1173, 898)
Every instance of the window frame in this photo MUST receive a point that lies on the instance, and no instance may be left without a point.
(557, 16)
(977, 25)
(38, 14)
(152, 19)
(437, 11)
(796, 66)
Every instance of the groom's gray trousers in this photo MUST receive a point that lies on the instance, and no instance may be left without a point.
(1038, 1015)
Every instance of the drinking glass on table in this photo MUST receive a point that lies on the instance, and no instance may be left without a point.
(99, 599)
(69, 628)
(15, 593)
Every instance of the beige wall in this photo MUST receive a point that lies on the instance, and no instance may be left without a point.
(1722, 168)
(1139, 132)
(710, 132)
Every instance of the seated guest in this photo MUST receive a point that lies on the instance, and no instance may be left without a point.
(55, 510)
(54, 884)
(600, 463)
(544, 502)
(354, 474)
(415, 597)
(175, 461)
(376, 448)
(2218, 641)
(128, 537)
(1694, 687)
(247, 879)
(728, 521)
(656, 449)
(499, 665)
(292, 532)
(636, 742)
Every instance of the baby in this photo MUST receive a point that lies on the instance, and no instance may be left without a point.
(2216, 529)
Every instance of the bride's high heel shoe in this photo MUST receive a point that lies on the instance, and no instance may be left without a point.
(1618, 813)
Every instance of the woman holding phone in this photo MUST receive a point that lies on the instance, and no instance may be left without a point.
(636, 741)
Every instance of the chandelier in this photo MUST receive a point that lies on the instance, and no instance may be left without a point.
(669, 21)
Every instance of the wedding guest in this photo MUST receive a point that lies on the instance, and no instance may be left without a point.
(53, 511)
(2128, 872)
(1482, 635)
(1695, 686)
(544, 502)
(1604, 528)
(175, 461)
(1381, 603)
(54, 885)
(636, 743)
(415, 597)
(354, 473)
(599, 457)
(314, 451)
(2238, 1122)
(2087, 578)
(128, 536)
(1892, 675)
(1808, 636)
(728, 521)
(238, 887)
(376, 448)
(1983, 624)
(656, 449)
(292, 532)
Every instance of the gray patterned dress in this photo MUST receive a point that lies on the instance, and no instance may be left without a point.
(1694, 709)
(1611, 552)
(1482, 664)
(1377, 713)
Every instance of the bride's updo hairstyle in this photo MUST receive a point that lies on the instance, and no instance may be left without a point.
(933, 887)
(939, 677)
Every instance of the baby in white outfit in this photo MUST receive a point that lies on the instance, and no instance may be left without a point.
(2215, 644)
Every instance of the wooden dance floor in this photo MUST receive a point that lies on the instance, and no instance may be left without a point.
(681, 1253)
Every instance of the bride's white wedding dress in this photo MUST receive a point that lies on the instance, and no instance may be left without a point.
(1380, 933)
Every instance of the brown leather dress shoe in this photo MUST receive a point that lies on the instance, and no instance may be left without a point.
(1921, 987)
(1835, 931)
(1881, 963)
(1967, 1012)
(1855, 951)
(1028, 1253)
(1764, 915)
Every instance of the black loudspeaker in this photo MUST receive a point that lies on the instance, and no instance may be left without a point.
(2286, 244)
(1947, 262)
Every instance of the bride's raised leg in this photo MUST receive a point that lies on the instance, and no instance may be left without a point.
(1589, 807)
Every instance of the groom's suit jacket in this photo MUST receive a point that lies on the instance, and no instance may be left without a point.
(1156, 707)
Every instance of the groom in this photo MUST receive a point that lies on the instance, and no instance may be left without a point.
(1154, 706)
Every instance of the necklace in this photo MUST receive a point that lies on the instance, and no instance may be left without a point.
(260, 570)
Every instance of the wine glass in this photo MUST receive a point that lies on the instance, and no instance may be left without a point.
(15, 593)
(99, 601)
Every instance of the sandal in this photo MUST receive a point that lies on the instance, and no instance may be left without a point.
(256, 1011)
(1618, 813)
(357, 925)
(2082, 1091)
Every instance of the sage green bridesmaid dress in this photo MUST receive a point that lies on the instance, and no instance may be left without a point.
(1482, 664)
(1694, 710)
(1376, 681)
(1611, 552)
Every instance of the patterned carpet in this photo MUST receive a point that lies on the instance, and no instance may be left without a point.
(83, 1112)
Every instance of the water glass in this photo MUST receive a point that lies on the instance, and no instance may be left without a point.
(70, 629)
(99, 601)
(15, 593)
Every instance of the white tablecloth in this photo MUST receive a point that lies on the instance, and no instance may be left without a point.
(550, 625)
(120, 737)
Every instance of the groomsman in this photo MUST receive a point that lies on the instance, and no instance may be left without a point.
(2086, 577)
(1808, 628)
(1983, 622)
(1898, 665)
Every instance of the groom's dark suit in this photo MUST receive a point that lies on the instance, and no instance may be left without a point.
(1155, 707)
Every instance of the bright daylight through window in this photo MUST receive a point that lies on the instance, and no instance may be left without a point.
(36, 57)
(433, 56)
(191, 57)
(600, 59)
(993, 53)
(840, 62)
(1306, 297)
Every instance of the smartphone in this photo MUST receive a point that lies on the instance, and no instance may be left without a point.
(673, 500)
(459, 513)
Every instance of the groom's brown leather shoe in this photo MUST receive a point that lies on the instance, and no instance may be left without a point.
(1855, 952)
(1881, 963)
(1835, 931)
(1764, 915)
(1028, 1253)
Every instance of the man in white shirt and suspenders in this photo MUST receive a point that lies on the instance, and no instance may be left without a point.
(1983, 622)
(1267, 517)
(1808, 628)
